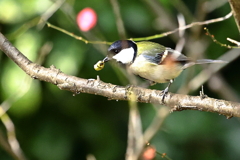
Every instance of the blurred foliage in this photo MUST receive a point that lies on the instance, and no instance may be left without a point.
(54, 124)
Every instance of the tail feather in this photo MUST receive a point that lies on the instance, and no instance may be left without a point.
(203, 61)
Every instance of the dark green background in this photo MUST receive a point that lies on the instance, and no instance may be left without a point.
(53, 124)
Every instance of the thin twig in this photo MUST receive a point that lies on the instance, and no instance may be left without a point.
(119, 21)
(181, 42)
(182, 8)
(5, 145)
(216, 41)
(219, 85)
(184, 27)
(164, 19)
(11, 134)
(135, 138)
(21, 91)
(135, 135)
(157, 122)
(22, 29)
(143, 38)
(51, 10)
(204, 75)
(75, 36)
(234, 41)
(210, 6)
(235, 5)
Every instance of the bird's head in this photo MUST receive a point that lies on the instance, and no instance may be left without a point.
(123, 51)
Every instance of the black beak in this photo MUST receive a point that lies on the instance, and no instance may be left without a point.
(106, 59)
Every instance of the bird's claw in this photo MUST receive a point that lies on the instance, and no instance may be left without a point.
(164, 93)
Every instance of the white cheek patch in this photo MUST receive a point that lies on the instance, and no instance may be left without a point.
(125, 56)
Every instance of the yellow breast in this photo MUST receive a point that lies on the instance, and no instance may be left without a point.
(154, 72)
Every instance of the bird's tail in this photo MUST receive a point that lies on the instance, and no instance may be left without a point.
(203, 61)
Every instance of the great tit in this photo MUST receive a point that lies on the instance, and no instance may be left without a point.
(150, 60)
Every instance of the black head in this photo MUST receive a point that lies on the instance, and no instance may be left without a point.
(123, 51)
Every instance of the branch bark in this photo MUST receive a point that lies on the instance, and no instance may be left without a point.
(176, 102)
(235, 5)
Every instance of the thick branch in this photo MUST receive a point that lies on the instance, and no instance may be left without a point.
(77, 85)
(235, 5)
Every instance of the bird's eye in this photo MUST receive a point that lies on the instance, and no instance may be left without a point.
(116, 50)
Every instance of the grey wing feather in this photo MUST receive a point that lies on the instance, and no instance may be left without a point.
(154, 59)
(160, 57)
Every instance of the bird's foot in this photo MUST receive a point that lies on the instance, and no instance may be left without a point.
(164, 93)
(202, 95)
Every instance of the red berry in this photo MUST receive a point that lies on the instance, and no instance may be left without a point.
(86, 19)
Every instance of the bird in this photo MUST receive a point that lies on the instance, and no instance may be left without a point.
(151, 61)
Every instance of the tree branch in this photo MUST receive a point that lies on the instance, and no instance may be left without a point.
(235, 5)
(176, 102)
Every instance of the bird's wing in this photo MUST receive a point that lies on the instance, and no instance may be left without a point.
(153, 52)
(171, 55)
(158, 54)
(155, 58)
